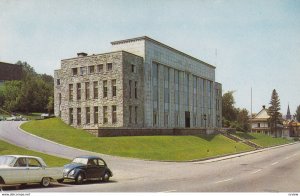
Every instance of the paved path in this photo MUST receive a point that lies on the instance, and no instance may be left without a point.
(272, 170)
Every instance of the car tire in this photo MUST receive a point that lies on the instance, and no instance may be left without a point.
(79, 178)
(60, 180)
(45, 182)
(105, 177)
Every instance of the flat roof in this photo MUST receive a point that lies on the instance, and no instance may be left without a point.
(161, 44)
(106, 53)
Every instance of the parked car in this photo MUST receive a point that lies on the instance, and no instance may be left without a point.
(87, 168)
(20, 169)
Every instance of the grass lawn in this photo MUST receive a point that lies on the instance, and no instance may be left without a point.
(176, 148)
(262, 139)
(51, 161)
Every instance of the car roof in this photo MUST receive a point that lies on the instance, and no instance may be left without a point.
(21, 156)
(89, 157)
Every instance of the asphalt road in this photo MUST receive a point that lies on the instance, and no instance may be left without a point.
(272, 170)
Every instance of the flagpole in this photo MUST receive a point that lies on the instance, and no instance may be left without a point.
(251, 113)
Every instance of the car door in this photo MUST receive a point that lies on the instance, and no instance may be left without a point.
(35, 170)
(101, 168)
(92, 169)
(19, 173)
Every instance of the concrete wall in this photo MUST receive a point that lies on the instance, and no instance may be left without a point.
(111, 132)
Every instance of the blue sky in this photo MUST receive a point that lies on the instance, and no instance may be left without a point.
(257, 41)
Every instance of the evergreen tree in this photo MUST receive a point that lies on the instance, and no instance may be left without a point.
(273, 111)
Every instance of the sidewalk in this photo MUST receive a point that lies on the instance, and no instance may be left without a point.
(224, 157)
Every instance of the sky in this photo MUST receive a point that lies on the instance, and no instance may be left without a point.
(253, 43)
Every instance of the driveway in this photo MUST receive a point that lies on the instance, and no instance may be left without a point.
(262, 171)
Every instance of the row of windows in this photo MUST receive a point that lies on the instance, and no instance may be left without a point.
(133, 115)
(95, 114)
(91, 69)
(96, 69)
(95, 86)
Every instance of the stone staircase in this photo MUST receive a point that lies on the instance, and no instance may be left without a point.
(238, 139)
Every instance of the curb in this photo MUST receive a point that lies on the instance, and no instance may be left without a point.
(225, 157)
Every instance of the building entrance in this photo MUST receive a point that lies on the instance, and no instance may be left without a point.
(187, 119)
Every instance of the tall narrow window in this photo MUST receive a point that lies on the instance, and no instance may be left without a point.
(105, 117)
(70, 116)
(130, 114)
(155, 92)
(135, 89)
(58, 82)
(78, 91)
(87, 91)
(133, 68)
(114, 88)
(96, 114)
(109, 66)
(95, 86)
(114, 114)
(166, 96)
(130, 88)
(59, 99)
(91, 69)
(74, 71)
(105, 88)
(78, 116)
(82, 71)
(70, 92)
(100, 68)
(136, 114)
(87, 115)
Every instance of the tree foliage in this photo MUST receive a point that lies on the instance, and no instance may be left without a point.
(234, 117)
(297, 114)
(31, 94)
(273, 111)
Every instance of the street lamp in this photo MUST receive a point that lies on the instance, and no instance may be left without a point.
(204, 118)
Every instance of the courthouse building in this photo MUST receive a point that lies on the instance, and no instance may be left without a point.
(142, 83)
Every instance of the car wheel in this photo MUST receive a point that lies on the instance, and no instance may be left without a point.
(60, 180)
(45, 182)
(105, 177)
(79, 178)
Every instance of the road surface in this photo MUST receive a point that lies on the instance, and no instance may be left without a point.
(272, 170)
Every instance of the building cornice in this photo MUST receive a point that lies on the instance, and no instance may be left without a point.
(161, 44)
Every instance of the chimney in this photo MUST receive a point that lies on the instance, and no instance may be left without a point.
(81, 54)
(264, 107)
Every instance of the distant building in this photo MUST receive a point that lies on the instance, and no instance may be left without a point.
(260, 124)
(288, 114)
(10, 72)
(141, 84)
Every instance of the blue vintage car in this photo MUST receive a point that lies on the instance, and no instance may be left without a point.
(87, 168)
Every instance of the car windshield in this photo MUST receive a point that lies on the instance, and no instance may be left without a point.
(6, 160)
(80, 160)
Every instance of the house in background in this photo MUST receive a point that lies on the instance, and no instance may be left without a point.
(260, 124)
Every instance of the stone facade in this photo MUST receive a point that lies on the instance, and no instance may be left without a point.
(89, 88)
(157, 87)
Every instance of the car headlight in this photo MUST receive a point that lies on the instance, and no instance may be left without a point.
(72, 172)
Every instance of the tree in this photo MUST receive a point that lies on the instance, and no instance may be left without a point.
(297, 114)
(243, 119)
(12, 95)
(273, 111)
(228, 109)
(50, 106)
